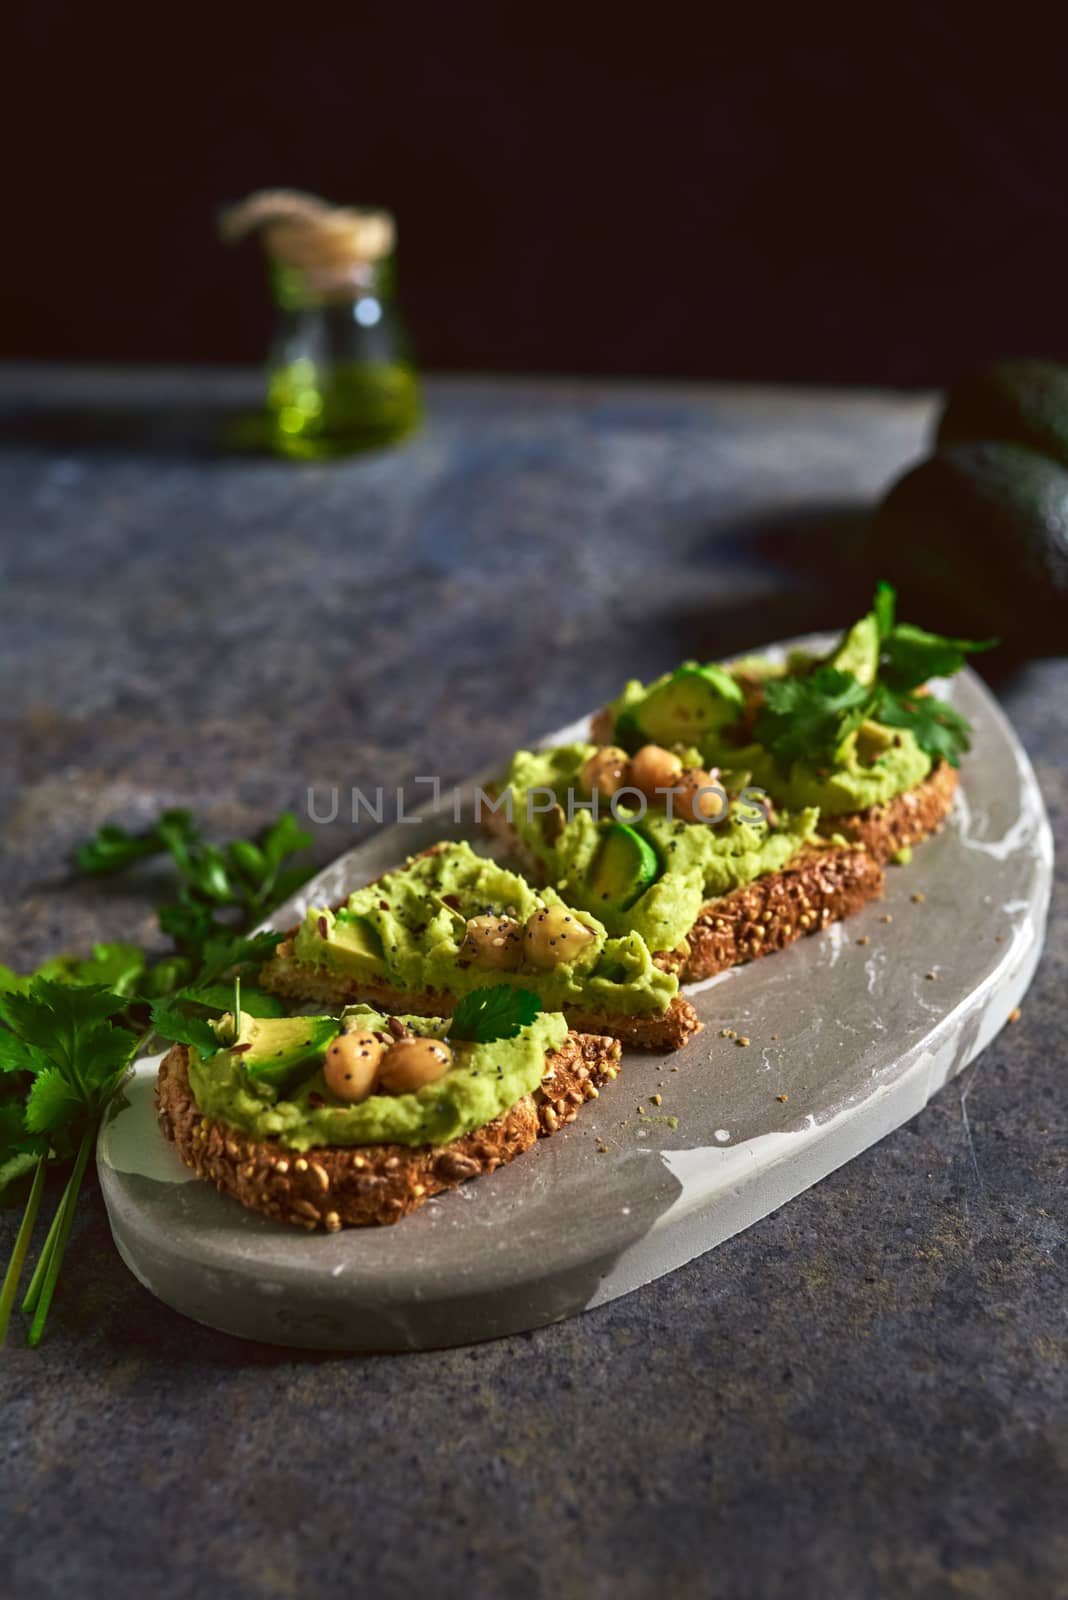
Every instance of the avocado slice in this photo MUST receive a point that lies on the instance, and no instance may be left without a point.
(858, 651)
(360, 940)
(279, 1050)
(623, 868)
(692, 703)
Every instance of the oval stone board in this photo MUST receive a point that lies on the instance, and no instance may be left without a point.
(848, 1041)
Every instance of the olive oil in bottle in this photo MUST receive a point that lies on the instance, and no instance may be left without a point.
(341, 377)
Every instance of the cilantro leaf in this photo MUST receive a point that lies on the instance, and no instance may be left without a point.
(911, 655)
(939, 729)
(18, 1056)
(112, 847)
(116, 966)
(178, 1027)
(227, 950)
(55, 1015)
(220, 997)
(809, 717)
(498, 1012)
(52, 1102)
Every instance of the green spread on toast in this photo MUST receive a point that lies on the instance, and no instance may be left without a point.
(408, 930)
(272, 1086)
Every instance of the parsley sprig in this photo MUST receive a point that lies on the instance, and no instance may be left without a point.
(70, 1030)
(217, 884)
(62, 1055)
(810, 716)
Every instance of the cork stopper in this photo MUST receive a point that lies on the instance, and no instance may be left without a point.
(331, 246)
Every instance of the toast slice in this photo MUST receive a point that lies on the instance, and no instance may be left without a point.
(338, 1186)
(821, 885)
(304, 975)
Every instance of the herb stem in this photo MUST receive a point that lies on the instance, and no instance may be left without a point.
(55, 1260)
(22, 1245)
(41, 1264)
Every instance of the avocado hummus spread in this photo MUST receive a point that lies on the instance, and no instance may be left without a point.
(872, 765)
(485, 1081)
(887, 764)
(687, 863)
(407, 928)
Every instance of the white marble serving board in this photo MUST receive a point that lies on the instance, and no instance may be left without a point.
(848, 1041)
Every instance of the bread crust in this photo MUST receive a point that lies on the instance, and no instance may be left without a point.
(905, 820)
(820, 886)
(338, 1186)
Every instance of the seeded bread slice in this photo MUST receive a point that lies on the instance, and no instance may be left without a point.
(356, 1186)
(821, 885)
(818, 887)
(300, 984)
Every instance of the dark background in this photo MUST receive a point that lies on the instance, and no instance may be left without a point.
(872, 196)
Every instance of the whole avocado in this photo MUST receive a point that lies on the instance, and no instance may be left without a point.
(1018, 402)
(981, 531)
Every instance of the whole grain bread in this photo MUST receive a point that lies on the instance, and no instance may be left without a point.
(822, 884)
(341, 1186)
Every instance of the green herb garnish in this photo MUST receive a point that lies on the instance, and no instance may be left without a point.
(62, 1056)
(220, 887)
(499, 1012)
(69, 1031)
(810, 716)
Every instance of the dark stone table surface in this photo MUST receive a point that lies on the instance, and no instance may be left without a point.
(862, 1395)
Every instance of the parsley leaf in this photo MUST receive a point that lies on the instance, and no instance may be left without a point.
(178, 1027)
(911, 655)
(939, 729)
(112, 848)
(220, 997)
(498, 1012)
(225, 950)
(809, 717)
(51, 1102)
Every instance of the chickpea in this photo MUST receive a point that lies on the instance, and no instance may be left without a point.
(604, 772)
(410, 1063)
(554, 934)
(690, 804)
(351, 1065)
(654, 768)
(495, 942)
